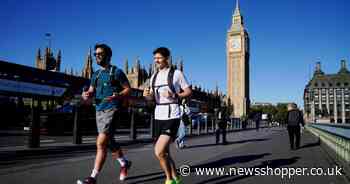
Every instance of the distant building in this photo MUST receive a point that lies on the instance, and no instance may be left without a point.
(261, 104)
(139, 76)
(88, 70)
(48, 61)
(326, 96)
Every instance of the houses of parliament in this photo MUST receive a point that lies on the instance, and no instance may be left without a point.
(138, 75)
(237, 68)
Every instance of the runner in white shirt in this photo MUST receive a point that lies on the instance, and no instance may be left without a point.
(167, 111)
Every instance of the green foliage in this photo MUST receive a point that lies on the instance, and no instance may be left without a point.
(281, 113)
(276, 113)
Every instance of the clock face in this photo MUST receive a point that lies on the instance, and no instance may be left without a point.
(235, 44)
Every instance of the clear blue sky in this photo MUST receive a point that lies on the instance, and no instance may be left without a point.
(287, 37)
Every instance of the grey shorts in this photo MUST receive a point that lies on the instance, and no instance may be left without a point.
(105, 122)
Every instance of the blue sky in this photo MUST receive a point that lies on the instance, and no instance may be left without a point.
(287, 37)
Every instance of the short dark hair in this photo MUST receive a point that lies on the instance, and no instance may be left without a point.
(162, 51)
(105, 48)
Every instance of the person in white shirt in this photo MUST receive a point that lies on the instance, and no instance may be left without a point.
(167, 86)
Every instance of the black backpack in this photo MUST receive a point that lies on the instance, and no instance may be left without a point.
(170, 84)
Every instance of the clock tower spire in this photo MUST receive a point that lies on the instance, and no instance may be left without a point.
(237, 50)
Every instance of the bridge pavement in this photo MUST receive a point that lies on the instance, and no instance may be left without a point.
(246, 149)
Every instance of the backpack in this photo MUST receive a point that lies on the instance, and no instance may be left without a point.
(112, 78)
(114, 82)
(170, 85)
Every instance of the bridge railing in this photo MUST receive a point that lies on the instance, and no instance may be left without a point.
(336, 137)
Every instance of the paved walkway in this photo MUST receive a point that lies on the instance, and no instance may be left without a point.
(246, 149)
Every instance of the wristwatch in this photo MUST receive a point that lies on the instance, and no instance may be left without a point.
(116, 94)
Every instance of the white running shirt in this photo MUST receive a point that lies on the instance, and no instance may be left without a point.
(180, 82)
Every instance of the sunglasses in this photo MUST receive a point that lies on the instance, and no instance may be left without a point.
(98, 54)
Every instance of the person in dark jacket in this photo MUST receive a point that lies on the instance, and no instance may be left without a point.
(257, 119)
(294, 120)
(221, 126)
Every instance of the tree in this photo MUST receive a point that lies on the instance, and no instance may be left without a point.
(229, 107)
(281, 113)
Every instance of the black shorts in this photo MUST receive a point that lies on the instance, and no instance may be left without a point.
(167, 127)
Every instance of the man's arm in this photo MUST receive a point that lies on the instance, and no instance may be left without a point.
(89, 93)
(186, 93)
(126, 90)
(286, 118)
(124, 82)
(187, 90)
(91, 89)
(148, 91)
(302, 118)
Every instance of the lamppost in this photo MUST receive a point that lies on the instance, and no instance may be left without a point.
(48, 38)
(215, 118)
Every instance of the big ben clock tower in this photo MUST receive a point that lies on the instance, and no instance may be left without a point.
(237, 49)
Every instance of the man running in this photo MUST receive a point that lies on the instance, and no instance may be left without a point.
(167, 87)
(108, 84)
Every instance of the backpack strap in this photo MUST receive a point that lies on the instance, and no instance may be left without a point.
(170, 84)
(97, 77)
(171, 80)
(112, 73)
(112, 78)
(153, 82)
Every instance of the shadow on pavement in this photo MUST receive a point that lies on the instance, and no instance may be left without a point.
(216, 164)
(144, 175)
(228, 143)
(231, 160)
(310, 145)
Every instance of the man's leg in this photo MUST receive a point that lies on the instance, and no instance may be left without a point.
(117, 152)
(297, 135)
(162, 153)
(172, 165)
(224, 141)
(181, 134)
(291, 137)
(217, 135)
(101, 153)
